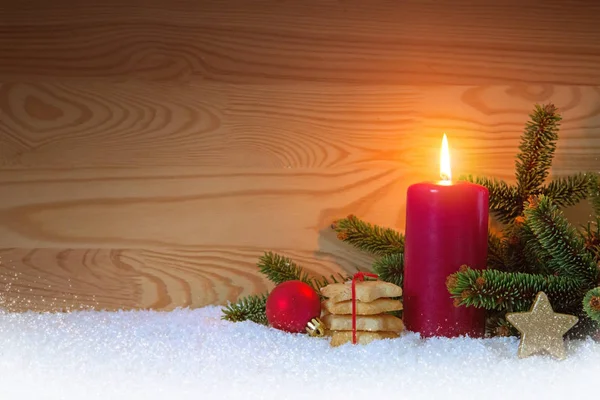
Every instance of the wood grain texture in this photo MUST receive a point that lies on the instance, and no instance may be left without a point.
(124, 208)
(351, 41)
(94, 124)
(113, 279)
(151, 151)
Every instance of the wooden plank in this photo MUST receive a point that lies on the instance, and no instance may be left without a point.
(376, 42)
(94, 124)
(164, 207)
(113, 279)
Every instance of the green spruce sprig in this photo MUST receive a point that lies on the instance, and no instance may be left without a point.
(390, 268)
(537, 150)
(591, 236)
(496, 251)
(250, 308)
(508, 291)
(279, 269)
(504, 199)
(370, 238)
(567, 254)
(568, 191)
(538, 144)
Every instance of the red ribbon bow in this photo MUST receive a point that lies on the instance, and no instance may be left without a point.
(359, 276)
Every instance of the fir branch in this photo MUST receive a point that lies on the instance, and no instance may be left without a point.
(516, 258)
(538, 144)
(279, 269)
(591, 237)
(536, 256)
(562, 242)
(370, 238)
(390, 268)
(569, 190)
(497, 325)
(250, 308)
(504, 199)
(511, 291)
(591, 304)
(496, 252)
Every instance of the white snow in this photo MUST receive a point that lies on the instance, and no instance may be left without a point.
(193, 354)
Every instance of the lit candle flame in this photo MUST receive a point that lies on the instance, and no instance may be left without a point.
(445, 170)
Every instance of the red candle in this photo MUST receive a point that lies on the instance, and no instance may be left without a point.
(446, 227)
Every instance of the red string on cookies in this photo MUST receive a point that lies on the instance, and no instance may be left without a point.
(359, 276)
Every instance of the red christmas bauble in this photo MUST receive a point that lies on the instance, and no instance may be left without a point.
(291, 305)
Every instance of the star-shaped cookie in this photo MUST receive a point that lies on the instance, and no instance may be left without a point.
(542, 329)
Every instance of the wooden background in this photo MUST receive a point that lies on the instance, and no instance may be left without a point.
(152, 150)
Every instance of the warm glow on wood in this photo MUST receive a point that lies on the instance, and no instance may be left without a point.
(445, 170)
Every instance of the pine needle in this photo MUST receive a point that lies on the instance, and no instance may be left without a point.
(510, 291)
(561, 241)
(390, 268)
(496, 252)
(279, 269)
(538, 144)
(251, 308)
(569, 190)
(370, 238)
(505, 202)
(591, 237)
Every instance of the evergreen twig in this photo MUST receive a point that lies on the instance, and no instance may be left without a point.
(591, 236)
(561, 241)
(537, 147)
(370, 238)
(250, 308)
(504, 200)
(279, 269)
(536, 255)
(515, 241)
(510, 291)
(497, 325)
(390, 268)
(569, 190)
(538, 144)
(496, 252)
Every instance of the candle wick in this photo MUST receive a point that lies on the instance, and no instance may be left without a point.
(445, 176)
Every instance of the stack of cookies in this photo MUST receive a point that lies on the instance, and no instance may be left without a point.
(374, 299)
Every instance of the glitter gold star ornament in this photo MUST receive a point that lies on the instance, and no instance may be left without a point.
(542, 329)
